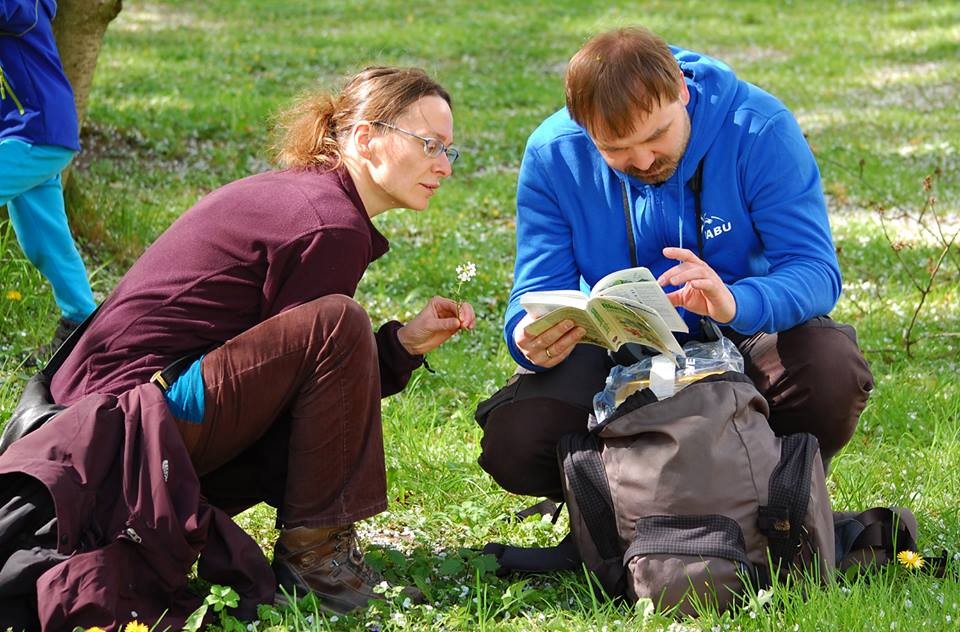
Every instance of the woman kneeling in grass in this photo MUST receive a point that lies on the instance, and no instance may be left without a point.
(280, 375)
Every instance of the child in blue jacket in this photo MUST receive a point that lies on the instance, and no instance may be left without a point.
(38, 138)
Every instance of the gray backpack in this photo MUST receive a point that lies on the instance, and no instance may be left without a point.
(686, 500)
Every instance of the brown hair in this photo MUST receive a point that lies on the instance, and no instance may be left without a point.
(618, 75)
(311, 130)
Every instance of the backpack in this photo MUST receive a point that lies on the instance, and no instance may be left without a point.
(685, 500)
(689, 499)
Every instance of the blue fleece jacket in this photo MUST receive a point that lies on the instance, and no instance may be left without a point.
(37, 107)
(765, 228)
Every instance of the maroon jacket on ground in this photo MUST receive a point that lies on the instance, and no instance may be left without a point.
(131, 517)
(244, 253)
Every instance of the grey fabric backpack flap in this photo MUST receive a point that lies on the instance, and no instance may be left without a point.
(684, 500)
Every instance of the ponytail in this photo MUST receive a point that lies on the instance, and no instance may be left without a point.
(307, 133)
(310, 131)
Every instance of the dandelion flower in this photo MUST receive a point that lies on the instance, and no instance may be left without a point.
(14, 295)
(910, 559)
(94, 629)
(136, 626)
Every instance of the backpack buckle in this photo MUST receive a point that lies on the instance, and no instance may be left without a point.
(774, 522)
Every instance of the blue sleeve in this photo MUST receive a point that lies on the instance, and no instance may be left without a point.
(785, 198)
(18, 16)
(544, 244)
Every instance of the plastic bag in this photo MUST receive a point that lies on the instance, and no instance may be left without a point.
(702, 359)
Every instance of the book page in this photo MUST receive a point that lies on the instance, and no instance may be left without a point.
(630, 275)
(649, 293)
(580, 317)
(542, 303)
(634, 322)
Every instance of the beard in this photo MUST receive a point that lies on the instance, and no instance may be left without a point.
(664, 167)
(659, 172)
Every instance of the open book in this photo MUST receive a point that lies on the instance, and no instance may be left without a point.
(624, 306)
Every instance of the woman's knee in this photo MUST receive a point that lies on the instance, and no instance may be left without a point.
(340, 318)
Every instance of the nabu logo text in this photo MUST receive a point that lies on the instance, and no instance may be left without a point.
(714, 226)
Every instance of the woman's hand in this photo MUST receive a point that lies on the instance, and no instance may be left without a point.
(702, 291)
(552, 346)
(439, 320)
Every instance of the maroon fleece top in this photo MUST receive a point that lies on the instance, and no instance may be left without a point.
(242, 254)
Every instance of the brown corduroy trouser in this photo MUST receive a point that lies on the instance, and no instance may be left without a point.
(813, 376)
(292, 417)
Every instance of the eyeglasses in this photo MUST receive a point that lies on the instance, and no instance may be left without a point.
(432, 147)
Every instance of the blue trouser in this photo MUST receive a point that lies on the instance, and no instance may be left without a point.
(30, 187)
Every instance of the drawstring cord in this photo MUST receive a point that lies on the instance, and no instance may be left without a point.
(683, 207)
(5, 87)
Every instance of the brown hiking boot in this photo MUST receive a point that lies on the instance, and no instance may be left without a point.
(328, 563)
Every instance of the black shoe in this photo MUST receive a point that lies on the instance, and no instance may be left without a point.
(64, 328)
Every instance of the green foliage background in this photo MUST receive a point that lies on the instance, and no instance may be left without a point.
(181, 104)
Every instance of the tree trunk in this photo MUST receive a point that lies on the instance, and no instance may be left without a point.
(79, 28)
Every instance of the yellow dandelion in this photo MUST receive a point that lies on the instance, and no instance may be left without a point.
(94, 629)
(14, 295)
(910, 559)
(136, 626)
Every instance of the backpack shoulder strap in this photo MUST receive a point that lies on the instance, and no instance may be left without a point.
(891, 529)
(587, 482)
(518, 559)
(781, 519)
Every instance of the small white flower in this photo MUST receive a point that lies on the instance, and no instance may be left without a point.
(407, 603)
(334, 619)
(764, 597)
(466, 271)
(907, 603)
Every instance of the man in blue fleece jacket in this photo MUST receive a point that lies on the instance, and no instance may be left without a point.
(664, 158)
(38, 138)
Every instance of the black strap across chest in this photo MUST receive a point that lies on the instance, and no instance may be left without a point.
(708, 328)
(696, 185)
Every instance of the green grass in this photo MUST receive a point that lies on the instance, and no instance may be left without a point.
(181, 104)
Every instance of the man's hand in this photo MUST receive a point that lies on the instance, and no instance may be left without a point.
(439, 320)
(552, 346)
(702, 291)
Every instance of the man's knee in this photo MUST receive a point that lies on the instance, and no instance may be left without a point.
(506, 452)
(519, 444)
(828, 367)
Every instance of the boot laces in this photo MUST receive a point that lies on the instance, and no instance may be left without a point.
(348, 538)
